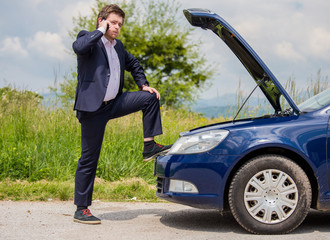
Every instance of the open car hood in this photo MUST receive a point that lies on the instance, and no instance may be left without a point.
(264, 78)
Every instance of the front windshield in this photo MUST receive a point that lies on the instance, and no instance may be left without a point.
(316, 102)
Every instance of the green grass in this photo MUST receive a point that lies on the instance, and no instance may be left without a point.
(134, 189)
(38, 143)
(40, 148)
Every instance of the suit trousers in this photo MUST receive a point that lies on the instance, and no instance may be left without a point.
(92, 131)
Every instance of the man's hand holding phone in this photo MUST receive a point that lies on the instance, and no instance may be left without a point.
(106, 24)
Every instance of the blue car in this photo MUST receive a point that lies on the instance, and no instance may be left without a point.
(269, 170)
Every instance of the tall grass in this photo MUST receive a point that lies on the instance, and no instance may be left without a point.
(314, 86)
(38, 142)
(35, 143)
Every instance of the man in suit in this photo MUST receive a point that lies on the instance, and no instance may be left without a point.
(102, 61)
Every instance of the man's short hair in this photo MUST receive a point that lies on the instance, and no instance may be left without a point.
(106, 10)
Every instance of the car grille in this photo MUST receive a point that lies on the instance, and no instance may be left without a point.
(160, 183)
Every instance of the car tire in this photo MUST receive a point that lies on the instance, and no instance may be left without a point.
(270, 194)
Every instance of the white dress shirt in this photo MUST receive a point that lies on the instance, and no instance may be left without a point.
(114, 65)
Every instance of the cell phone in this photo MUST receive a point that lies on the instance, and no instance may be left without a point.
(107, 25)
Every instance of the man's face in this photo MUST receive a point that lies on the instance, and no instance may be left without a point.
(116, 22)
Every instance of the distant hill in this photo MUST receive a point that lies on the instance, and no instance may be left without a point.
(215, 112)
(225, 105)
(50, 99)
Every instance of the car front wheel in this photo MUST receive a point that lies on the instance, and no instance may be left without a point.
(270, 194)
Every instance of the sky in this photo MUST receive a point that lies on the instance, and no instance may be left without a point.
(292, 38)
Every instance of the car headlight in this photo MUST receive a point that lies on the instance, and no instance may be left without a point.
(200, 142)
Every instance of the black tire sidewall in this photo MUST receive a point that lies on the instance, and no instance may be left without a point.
(243, 176)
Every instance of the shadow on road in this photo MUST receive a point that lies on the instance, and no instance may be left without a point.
(131, 214)
(213, 221)
(202, 220)
(315, 221)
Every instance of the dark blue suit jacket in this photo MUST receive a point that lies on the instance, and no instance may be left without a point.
(94, 71)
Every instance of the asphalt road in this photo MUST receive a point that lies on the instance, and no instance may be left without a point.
(137, 220)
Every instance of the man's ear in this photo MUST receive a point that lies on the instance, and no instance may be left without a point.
(99, 20)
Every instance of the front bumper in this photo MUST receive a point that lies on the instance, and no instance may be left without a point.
(206, 201)
(207, 172)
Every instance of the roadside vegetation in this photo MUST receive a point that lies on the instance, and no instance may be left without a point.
(44, 143)
(40, 147)
(131, 189)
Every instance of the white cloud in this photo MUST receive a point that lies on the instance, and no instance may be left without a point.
(65, 16)
(286, 50)
(250, 27)
(12, 46)
(49, 44)
(319, 41)
(35, 2)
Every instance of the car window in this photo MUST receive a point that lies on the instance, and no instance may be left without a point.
(316, 102)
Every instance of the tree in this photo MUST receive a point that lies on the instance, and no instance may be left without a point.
(152, 34)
